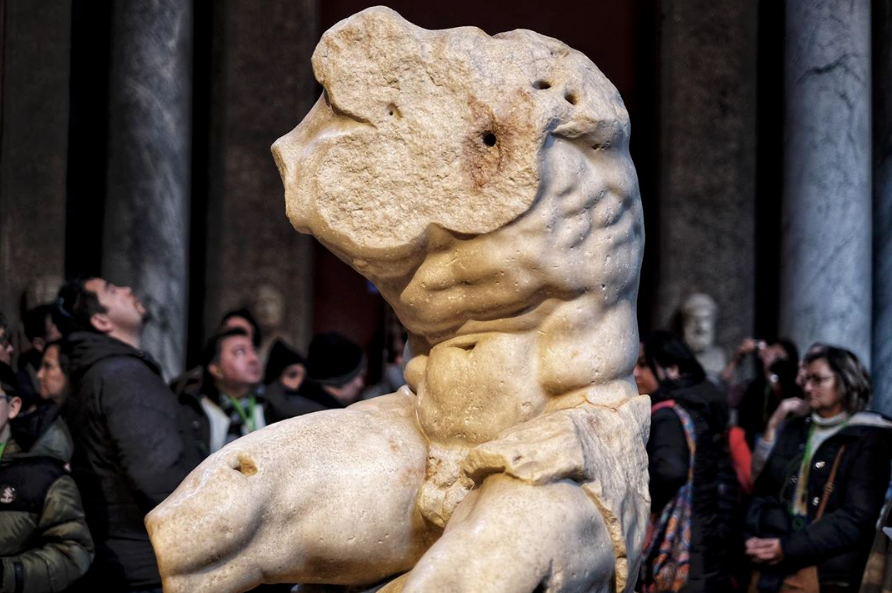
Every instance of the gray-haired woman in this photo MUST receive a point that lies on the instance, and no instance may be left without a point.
(818, 497)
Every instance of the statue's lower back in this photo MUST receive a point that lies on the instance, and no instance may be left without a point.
(484, 185)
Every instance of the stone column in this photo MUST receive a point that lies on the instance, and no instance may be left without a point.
(146, 220)
(882, 208)
(264, 87)
(826, 245)
(35, 58)
(707, 196)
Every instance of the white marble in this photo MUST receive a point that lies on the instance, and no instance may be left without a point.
(882, 222)
(146, 219)
(826, 243)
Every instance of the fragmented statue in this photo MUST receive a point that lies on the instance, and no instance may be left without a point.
(484, 185)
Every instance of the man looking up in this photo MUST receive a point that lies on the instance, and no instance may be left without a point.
(230, 400)
(129, 450)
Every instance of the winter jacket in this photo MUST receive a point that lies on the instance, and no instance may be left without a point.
(130, 452)
(839, 542)
(714, 479)
(44, 541)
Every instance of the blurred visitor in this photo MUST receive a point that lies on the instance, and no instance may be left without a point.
(692, 484)
(821, 490)
(285, 374)
(44, 541)
(39, 330)
(229, 403)
(336, 369)
(53, 374)
(129, 447)
(775, 381)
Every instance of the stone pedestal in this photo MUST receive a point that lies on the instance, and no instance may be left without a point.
(146, 222)
(826, 244)
(706, 238)
(33, 156)
(250, 241)
(882, 208)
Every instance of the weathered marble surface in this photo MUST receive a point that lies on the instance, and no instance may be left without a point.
(484, 185)
(826, 251)
(145, 243)
(882, 210)
(707, 205)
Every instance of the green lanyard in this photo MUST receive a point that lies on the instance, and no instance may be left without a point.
(2, 449)
(250, 421)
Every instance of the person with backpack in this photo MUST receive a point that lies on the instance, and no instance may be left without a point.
(692, 482)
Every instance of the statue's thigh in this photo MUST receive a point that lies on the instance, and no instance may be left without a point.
(327, 497)
(514, 537)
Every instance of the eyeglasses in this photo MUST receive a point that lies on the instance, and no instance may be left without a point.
(818, 380)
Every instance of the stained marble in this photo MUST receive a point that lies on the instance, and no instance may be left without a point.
(826, 244)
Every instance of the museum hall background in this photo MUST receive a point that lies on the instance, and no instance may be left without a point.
(134, 143)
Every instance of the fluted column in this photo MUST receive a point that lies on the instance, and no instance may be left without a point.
(146, 219)
(882, 222)
(826, 244)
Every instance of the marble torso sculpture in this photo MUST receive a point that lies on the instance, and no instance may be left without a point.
(484, 185)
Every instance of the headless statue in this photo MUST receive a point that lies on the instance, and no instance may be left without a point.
(484, 185)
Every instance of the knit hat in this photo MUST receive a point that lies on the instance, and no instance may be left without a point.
(281, 356)
(334, 360)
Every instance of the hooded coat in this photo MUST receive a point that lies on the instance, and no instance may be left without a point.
(129, 452)
(44, 541)
(714, 480)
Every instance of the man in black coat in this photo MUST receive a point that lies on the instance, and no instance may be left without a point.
(129, 447)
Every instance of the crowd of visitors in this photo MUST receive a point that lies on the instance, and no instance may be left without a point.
(92, 437)
(788, 496)
(772, 484)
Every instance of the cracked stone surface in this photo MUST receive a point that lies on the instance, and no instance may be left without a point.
(484, 185)
(826, 252)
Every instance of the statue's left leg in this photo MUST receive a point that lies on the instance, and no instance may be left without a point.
(323, 498)
(510, 536)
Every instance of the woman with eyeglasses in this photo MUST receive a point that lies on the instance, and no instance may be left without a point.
(819, 495)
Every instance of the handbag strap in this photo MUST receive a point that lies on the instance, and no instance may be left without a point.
(687, 425)
(828, 487)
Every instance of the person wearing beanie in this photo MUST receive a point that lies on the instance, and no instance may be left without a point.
(335, 371)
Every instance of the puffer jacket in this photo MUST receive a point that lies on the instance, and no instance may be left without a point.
(839, 542)
(130, 453)
(44, 541)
